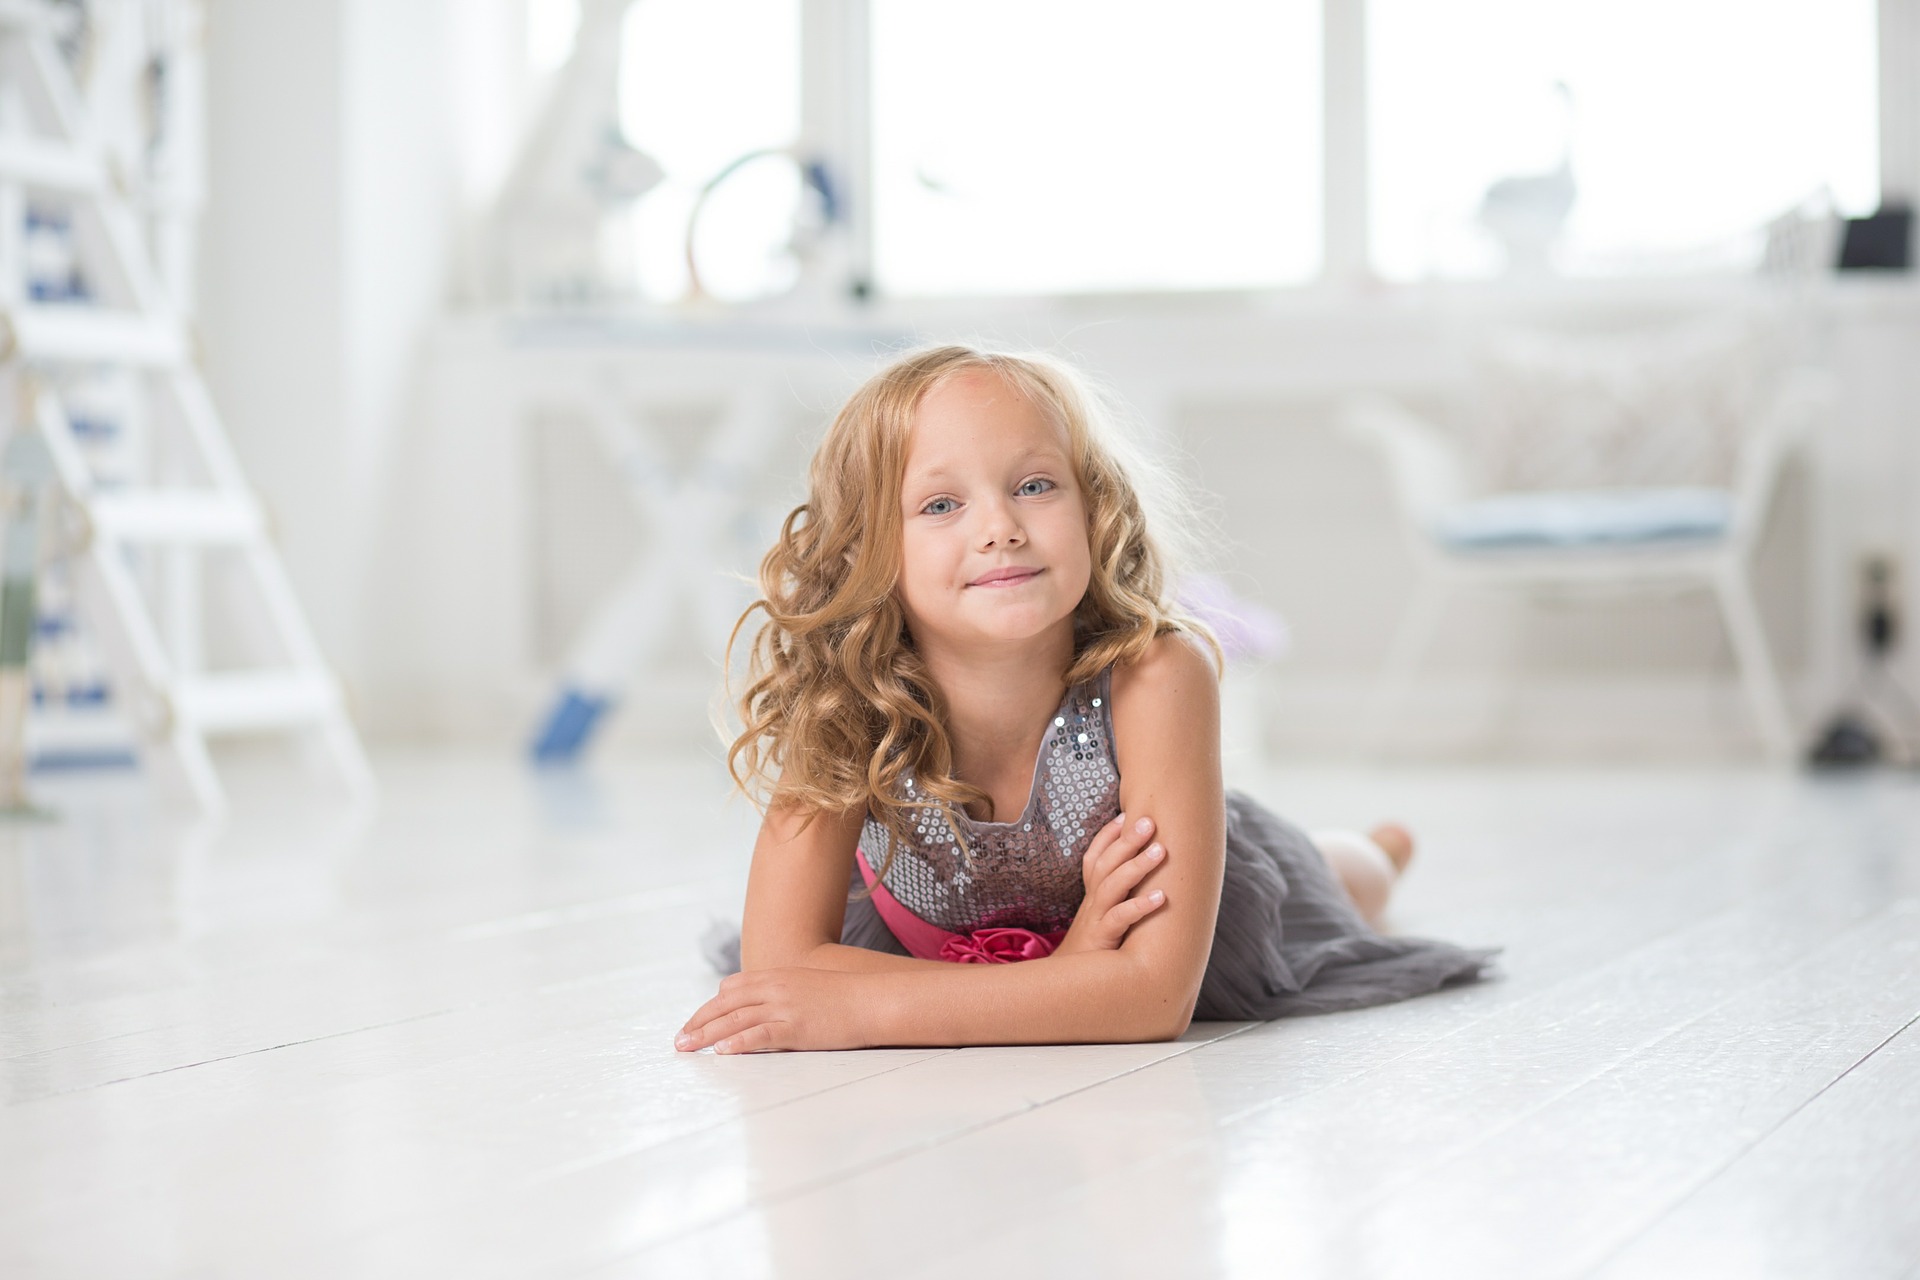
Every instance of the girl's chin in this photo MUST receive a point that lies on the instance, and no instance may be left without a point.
(1007, 629)
(1014, 628)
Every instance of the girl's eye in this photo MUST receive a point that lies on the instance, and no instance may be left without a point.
(1036, 486)
(938, 507)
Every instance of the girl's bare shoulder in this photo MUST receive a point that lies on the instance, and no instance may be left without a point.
(1174, 674)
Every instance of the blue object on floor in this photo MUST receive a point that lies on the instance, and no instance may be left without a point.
(1587, 518)
(568, 726)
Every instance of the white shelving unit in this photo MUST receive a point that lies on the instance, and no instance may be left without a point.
(175, 577)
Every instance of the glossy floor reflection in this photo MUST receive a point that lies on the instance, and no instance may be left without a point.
(435, 1039)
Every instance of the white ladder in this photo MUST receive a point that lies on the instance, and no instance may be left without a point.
(145, 548)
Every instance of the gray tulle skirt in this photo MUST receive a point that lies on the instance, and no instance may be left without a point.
(1288, 940)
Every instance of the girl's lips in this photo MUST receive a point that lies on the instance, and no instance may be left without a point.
(1005, 578)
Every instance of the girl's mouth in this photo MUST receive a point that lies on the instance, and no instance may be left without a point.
(1006, 578)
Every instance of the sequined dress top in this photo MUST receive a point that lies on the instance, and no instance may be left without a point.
(1003, 890)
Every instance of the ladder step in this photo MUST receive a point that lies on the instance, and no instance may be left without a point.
(174, 517)
(47, 164)
(238, 701)
(82, 334)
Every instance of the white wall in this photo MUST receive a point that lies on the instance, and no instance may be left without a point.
(342, 155)
(273, 315)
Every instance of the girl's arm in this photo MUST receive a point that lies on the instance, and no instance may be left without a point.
(1167, 739)
(1166, 729)
(797, 897)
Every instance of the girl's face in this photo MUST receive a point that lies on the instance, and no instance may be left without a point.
(994, 546)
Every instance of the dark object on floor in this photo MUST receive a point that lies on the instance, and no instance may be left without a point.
(1881, 241)
(1848, 743)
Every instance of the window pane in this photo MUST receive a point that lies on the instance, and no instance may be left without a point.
(702, 83)
(1686, 125)
(1038, 146)
(550, 28)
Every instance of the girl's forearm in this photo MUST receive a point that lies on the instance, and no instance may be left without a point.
(1087, 997)
(846, 959)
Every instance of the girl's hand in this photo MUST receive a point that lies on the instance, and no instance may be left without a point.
(1113, 868)
(784, 1009)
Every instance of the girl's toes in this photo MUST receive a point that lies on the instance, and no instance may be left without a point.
(1396, 842)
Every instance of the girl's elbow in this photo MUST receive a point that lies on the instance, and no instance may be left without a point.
(1175, 1028)
(1162, 1006)
(1170, 1018)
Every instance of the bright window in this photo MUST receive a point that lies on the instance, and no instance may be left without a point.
(1051, 146)
(1686, 126)
(550, 28)
(702, 83)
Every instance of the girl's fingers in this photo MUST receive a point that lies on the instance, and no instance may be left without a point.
(698, 1038)
(1133, 910)
(1139, 867)
(728, 1031)
(726, 1002)
(754, 1039)
(700, 1034)
(1125, 844)
(1126, 877)
(1094, 859)
(1107, 834)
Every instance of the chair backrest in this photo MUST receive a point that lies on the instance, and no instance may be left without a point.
(1427, 470)
(1430, 473)
(1649, 406)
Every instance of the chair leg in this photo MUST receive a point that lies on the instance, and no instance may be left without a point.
(1757, 672)
(1417, 626)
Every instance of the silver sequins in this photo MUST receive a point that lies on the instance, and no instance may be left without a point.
(1023, 872)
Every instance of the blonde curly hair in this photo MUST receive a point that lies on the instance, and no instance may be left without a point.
(840, 707)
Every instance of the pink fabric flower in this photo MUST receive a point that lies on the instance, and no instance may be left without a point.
(995, 946)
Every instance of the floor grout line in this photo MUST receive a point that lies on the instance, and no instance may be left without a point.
(497, 1001)
(321, 949)
(929, 1144)
(1666, 1211)
(232, 1057)
(599, 1158)
(1362, 1204)
(664, 962)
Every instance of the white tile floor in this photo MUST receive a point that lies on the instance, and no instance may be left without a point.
(438, 1044)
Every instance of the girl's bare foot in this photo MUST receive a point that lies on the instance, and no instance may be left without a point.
(1363, 868)
(1396, 842)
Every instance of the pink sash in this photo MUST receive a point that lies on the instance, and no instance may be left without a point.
(931, 942)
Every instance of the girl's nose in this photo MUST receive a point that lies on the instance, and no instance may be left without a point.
(1000, 528)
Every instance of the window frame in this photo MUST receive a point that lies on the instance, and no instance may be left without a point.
(836, 111)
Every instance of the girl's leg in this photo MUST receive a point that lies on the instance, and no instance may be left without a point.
(1367, 865)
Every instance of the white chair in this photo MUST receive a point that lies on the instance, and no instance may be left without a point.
(1596, 541)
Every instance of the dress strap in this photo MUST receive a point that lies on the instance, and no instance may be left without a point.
(1103, 705)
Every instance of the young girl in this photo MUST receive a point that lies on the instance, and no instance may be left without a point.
(989, 747)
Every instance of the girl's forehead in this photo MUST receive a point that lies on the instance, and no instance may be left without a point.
(979, 413)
